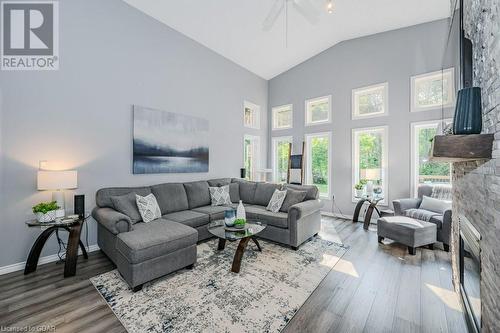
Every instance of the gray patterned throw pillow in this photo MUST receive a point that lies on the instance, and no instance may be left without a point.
(220, 195)
(276, 201)
(148, 207)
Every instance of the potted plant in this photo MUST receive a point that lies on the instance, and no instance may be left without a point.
(46, 211)
(240, 223)
(359, 189)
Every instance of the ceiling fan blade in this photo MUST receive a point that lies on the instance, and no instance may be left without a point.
(273, 15)
(307, 9)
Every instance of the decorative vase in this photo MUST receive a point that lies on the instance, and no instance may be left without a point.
(240, 212)
(47, 217)
(468, 116)
(359, 193)
(229, 217)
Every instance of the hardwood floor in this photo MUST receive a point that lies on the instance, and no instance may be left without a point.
(374, 288)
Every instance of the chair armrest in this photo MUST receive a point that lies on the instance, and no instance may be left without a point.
(112, 220)
(304, 208)
(446, 227)
(403, 204)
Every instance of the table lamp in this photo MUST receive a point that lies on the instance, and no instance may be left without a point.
(57, 181)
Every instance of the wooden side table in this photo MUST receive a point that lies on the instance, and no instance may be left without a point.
(373, 201)
(74, 228)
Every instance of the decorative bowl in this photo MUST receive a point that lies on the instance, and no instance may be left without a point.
(47, 217)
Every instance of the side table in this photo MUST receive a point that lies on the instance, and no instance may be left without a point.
(73, 227)
(372, 201)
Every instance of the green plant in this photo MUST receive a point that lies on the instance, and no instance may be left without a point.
(358, 186)
(45, 207)
(363, 182)
(239, 222)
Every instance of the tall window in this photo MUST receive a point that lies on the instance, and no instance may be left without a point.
(433, 90)
(318, 152)
(281, 151)
(251, 156)
(370, 157)
(319, 110)
(282, 117)
(423, 170)
(370, 101)
(251, 115)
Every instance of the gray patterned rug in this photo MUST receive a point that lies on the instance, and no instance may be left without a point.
(271, 286)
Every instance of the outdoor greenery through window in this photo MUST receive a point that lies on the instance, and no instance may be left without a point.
(318, 161)
(425, 171)
(251, 155)
(282, 117)
(370, 101)
(281, 151)
(433, 90)
(370, 158)
(318, 110)
(251, 115)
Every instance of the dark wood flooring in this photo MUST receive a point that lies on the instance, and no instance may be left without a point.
(374, 288)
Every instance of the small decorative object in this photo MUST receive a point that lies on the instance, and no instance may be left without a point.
(239, 223)
(468, 116)
(377, 190)
(359, 189)
(229, 217)
(243, 173)
(448, 129)
(46, 211)
(240, 212)
(369, 188)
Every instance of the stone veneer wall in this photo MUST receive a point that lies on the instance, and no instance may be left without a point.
(476, 185)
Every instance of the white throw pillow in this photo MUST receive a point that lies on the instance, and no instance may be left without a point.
(220, 195)
(276, 201)
(435, 205)
(148, 207)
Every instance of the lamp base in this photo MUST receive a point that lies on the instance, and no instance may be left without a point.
(58, 196)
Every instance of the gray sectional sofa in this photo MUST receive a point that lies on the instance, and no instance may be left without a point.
(145, 251)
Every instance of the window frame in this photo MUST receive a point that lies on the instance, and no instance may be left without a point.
(413, 149)
(451, 90)
(275, 140)
(359, 91)
(316, 99)
(252, 174)
(308, 159)
(256, 109)
(275, 110)
(385, 160)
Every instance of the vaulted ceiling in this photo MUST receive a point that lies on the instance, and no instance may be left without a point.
(233, 28)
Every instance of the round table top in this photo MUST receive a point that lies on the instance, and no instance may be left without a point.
(219, 229)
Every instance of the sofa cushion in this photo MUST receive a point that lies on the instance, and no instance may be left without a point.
(103, 196)
(260, 214)
(154, 239)
(435, 205)
(247, 190)
(264, 192)
(148, 207)
(126, 204)
(234, 192)
(312, 191)
(215, 212)
(197, 194)
(219, 182)
(189, 218)
(219, 196)
(276, 201)
(292, 197)
(171, 197)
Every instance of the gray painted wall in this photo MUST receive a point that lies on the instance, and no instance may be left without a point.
(112, 56)
(391, 57)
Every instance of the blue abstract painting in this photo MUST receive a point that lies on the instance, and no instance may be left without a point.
(167, 142)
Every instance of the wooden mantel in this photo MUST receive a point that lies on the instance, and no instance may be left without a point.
(460, 148)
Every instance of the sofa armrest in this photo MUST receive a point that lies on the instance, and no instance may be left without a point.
(304, 208)
(112, 220)
(401, 205)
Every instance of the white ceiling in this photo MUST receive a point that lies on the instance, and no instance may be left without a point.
(233, 28)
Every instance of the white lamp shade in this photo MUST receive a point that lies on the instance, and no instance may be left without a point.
(56, 180)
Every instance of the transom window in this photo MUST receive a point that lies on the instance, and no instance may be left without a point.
(318, 110)
(251, 156)
(425, 171)
(318, 152)
(370, 101)
(370, 158)
(251, 115)
(433, 90)
(281, 153)
(282, 117)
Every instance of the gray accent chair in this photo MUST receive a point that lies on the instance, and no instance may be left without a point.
(146, 251)
(442, 222)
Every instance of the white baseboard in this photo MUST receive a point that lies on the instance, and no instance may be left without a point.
(43, 260)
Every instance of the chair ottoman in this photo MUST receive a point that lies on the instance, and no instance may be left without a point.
(154, 249)
(408, 231)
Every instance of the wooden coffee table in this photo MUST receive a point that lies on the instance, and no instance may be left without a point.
(252, 228)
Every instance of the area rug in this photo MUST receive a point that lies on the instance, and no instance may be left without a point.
(271, 286)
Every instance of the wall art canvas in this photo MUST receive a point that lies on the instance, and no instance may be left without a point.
(167, 142)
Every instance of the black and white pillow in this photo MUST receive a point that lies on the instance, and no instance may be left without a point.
(148, 207)
(276, 201)
(220, 195)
